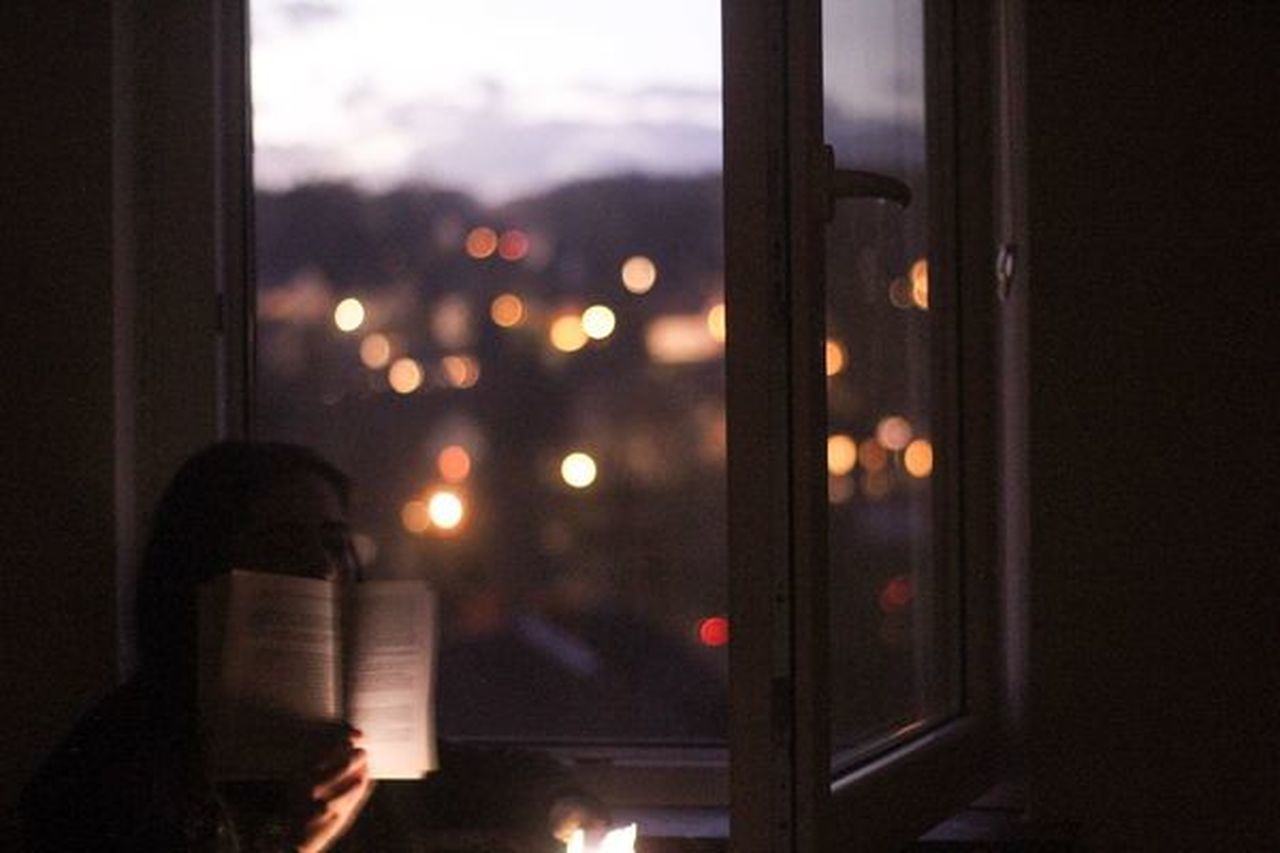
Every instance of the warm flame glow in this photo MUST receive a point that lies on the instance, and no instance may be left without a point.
(567, 334)
(405, 376)
(918, 458)
(842, 454)
(481, 242)
(507, 310)
(454, 463)
(716, 322)
(375, 351)
(835, 357)
(639, 274)
(598, 322)
(349, 315)
(445, 509)
(578, 470)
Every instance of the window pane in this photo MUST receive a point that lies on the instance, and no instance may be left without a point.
(892, 654)
(489, 286)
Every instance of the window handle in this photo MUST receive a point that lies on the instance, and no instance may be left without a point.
(853, 183)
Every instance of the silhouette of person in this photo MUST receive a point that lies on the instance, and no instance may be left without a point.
(133, 775)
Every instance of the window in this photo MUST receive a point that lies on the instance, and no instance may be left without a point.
(930, 744)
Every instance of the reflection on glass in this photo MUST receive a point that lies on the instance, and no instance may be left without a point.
(489, 286)
(891, 656)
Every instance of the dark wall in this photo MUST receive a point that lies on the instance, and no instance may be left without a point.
(1153, 334)
(57, 585)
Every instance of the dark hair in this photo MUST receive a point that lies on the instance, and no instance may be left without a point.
(205, 505)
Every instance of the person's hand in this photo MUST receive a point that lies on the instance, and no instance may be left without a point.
(330, 796)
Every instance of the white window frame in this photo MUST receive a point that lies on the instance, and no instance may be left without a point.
(183, 185)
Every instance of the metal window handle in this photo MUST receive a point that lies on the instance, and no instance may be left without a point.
(853, 183)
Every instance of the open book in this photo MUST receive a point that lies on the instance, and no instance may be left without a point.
(282, 657)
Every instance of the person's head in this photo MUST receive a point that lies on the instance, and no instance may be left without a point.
(260, 506)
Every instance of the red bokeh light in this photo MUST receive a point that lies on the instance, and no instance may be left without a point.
(513, 245)
(713, 631)
(896, 594)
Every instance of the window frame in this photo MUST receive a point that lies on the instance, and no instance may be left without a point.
(184, 201)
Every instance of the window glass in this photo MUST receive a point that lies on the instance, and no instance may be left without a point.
(489, 286)
(893, 653)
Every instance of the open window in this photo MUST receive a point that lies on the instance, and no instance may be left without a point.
(815, 473)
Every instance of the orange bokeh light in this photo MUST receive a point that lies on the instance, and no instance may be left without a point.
(481, 242)
(454, 463)
(713, 631)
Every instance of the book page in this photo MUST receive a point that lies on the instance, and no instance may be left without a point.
(269, 669)
(391, 675)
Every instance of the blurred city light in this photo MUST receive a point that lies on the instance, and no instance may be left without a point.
(893, 432)
(895, 594)
(842, 454)
(639, 274)
(454, 463)
(713, 631)
(507, 310)
(445, 509)
(872, 456)
(513, 245)
(481, 242)
(598, 322)
(680, 339)
(405, 376)
(918, 458)
(835, 357)
(349, 315)
(460, 371)
(578, 469)
(900, 293)
(414, 517)
(375, 351)
(451, 324)
(567, 334)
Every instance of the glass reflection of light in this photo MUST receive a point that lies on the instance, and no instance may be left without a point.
(445, 509)
(598, 322)
(481, 242)
(507, 310)
(349, 315)
(918, 458)
(454, 463)
(920, 284)
(567, 334)
(405, 376)
(842, 454)
(375, 351)
(835, 357)
(578, 469)
(639, 274)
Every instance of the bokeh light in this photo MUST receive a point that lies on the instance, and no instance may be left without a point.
(918, 458)
(920, 284)
(507, 310)
(405, 376)
(836, 359)
(414, 517)
(454, 463)
(840, 489)
(481, 242)
(900, 293)
(567, 334)
(893, 432)
(872, 456)
(446, 509)
(842, 454)
(639, 274)
(713, 631)
(460, 371)
(895, 594)
(375, 351)
(598, 322)
(716, 322)
(349, 315)
(513, 245)
(578, 469)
